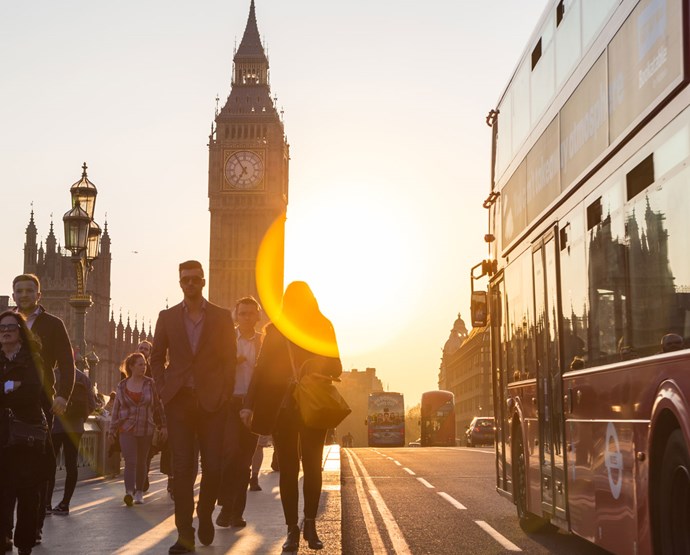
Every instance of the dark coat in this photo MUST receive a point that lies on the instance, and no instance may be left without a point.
(56, 352)
(213, 365)
(273, 378)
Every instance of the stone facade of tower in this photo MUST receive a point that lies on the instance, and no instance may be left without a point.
(248, 174)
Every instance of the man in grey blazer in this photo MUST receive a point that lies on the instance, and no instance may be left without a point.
(193, 363)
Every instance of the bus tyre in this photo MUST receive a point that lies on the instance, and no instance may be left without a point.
(529, 522)
(675, 497)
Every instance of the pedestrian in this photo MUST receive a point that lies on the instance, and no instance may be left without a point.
(58, 367)
(66, 435)
(137, 407)
(294, 346)
(240, 442)
(21, 464)
(144, 347)
(193, 362)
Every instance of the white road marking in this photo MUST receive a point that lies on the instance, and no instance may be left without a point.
(409, 471)
(400, 546)
(505, 542)
(396, 462)
(377, 545)
(424, 482)
(452, 500)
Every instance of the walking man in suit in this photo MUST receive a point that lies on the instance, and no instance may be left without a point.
(195, 384)
(58, 367)
(240, 442)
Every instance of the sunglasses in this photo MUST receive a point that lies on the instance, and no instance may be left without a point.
(194, 280)
(9, 327)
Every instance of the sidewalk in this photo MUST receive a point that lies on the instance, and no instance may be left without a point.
(100, 523)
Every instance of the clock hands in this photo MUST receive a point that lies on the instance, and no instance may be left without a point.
(244, 170)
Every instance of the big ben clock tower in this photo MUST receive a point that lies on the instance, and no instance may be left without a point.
(247, 173)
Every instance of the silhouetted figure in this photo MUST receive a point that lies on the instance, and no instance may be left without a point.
(270, 408)
(671, 342)
(193, 362)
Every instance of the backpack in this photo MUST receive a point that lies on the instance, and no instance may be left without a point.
(78, 404)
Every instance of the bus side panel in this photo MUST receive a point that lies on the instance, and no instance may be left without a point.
(524, 398)
(608, 484)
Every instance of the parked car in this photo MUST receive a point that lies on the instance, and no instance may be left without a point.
(481, 431)
(416, 443)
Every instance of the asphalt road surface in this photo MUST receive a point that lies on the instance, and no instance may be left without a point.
(436, 500)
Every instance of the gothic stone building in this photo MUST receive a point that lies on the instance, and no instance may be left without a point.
(247, 174)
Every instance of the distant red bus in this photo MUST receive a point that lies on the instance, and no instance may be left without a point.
(438, 419)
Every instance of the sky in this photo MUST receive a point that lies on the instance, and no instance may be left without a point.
(384, 107)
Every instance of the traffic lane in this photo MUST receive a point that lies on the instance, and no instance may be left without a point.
(468, 475)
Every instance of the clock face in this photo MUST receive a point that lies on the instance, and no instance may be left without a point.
(244, 170)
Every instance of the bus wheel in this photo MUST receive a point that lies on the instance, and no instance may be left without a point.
(529, 522)
(675, 496)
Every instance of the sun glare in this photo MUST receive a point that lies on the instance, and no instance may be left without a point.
(356, 248)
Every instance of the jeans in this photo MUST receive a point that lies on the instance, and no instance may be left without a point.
(291, 439)
(188, 424)
(135, 450)
(240, 444)
(69, 441)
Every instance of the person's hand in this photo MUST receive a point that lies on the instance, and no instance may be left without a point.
(241, 359)
(246, 417)
(163, 434)
(59, 406)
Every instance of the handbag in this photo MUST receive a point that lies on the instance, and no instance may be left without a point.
(25, 434)
(319, 402)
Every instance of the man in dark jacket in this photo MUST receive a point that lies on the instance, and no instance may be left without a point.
(193, 362)
(56, 352)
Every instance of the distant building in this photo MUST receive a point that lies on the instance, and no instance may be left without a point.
(355, 388)
(110, 342)
(466, 371)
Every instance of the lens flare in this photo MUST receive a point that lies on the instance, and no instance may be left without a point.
(269, 285)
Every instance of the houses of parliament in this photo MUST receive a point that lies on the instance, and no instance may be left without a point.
(247, 192)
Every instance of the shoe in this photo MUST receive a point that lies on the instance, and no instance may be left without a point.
(206, 531)
(254, 484)
(25, 551)
(310, 534)
(62, 509)
(224, 518)
(139, 498)
(129, 500)
(49, 510)
(292, 541)
(238, 522)
(39, 537)
(182, 547)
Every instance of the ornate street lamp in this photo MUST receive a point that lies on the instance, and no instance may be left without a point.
(82, 239)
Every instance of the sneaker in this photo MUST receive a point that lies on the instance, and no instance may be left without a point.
(254, 484)
(129, 500)
(224, 518)
(139, 498)
(49, 510)
(62, 509)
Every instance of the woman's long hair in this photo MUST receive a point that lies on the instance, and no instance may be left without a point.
(126, 366)
(302, 321)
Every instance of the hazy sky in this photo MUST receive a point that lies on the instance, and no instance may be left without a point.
(384, 111)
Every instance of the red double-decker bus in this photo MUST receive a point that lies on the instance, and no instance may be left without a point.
(438, 419)
(589, 275)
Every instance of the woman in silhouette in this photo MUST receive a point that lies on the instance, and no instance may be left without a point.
(271, 409)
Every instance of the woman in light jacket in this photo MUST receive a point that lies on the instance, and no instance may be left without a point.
(136, 410)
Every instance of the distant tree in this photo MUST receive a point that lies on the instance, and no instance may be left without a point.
(413, 428)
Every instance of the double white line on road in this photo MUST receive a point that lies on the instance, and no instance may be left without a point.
(400, 546)
(495, 534)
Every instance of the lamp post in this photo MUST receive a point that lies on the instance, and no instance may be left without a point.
(82, 239)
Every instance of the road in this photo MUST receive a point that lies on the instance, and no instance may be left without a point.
(434, 500)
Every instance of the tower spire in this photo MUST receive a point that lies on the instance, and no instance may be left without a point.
(250, 46)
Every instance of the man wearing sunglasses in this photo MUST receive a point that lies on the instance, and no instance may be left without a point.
(196, 338)
(58, 368)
